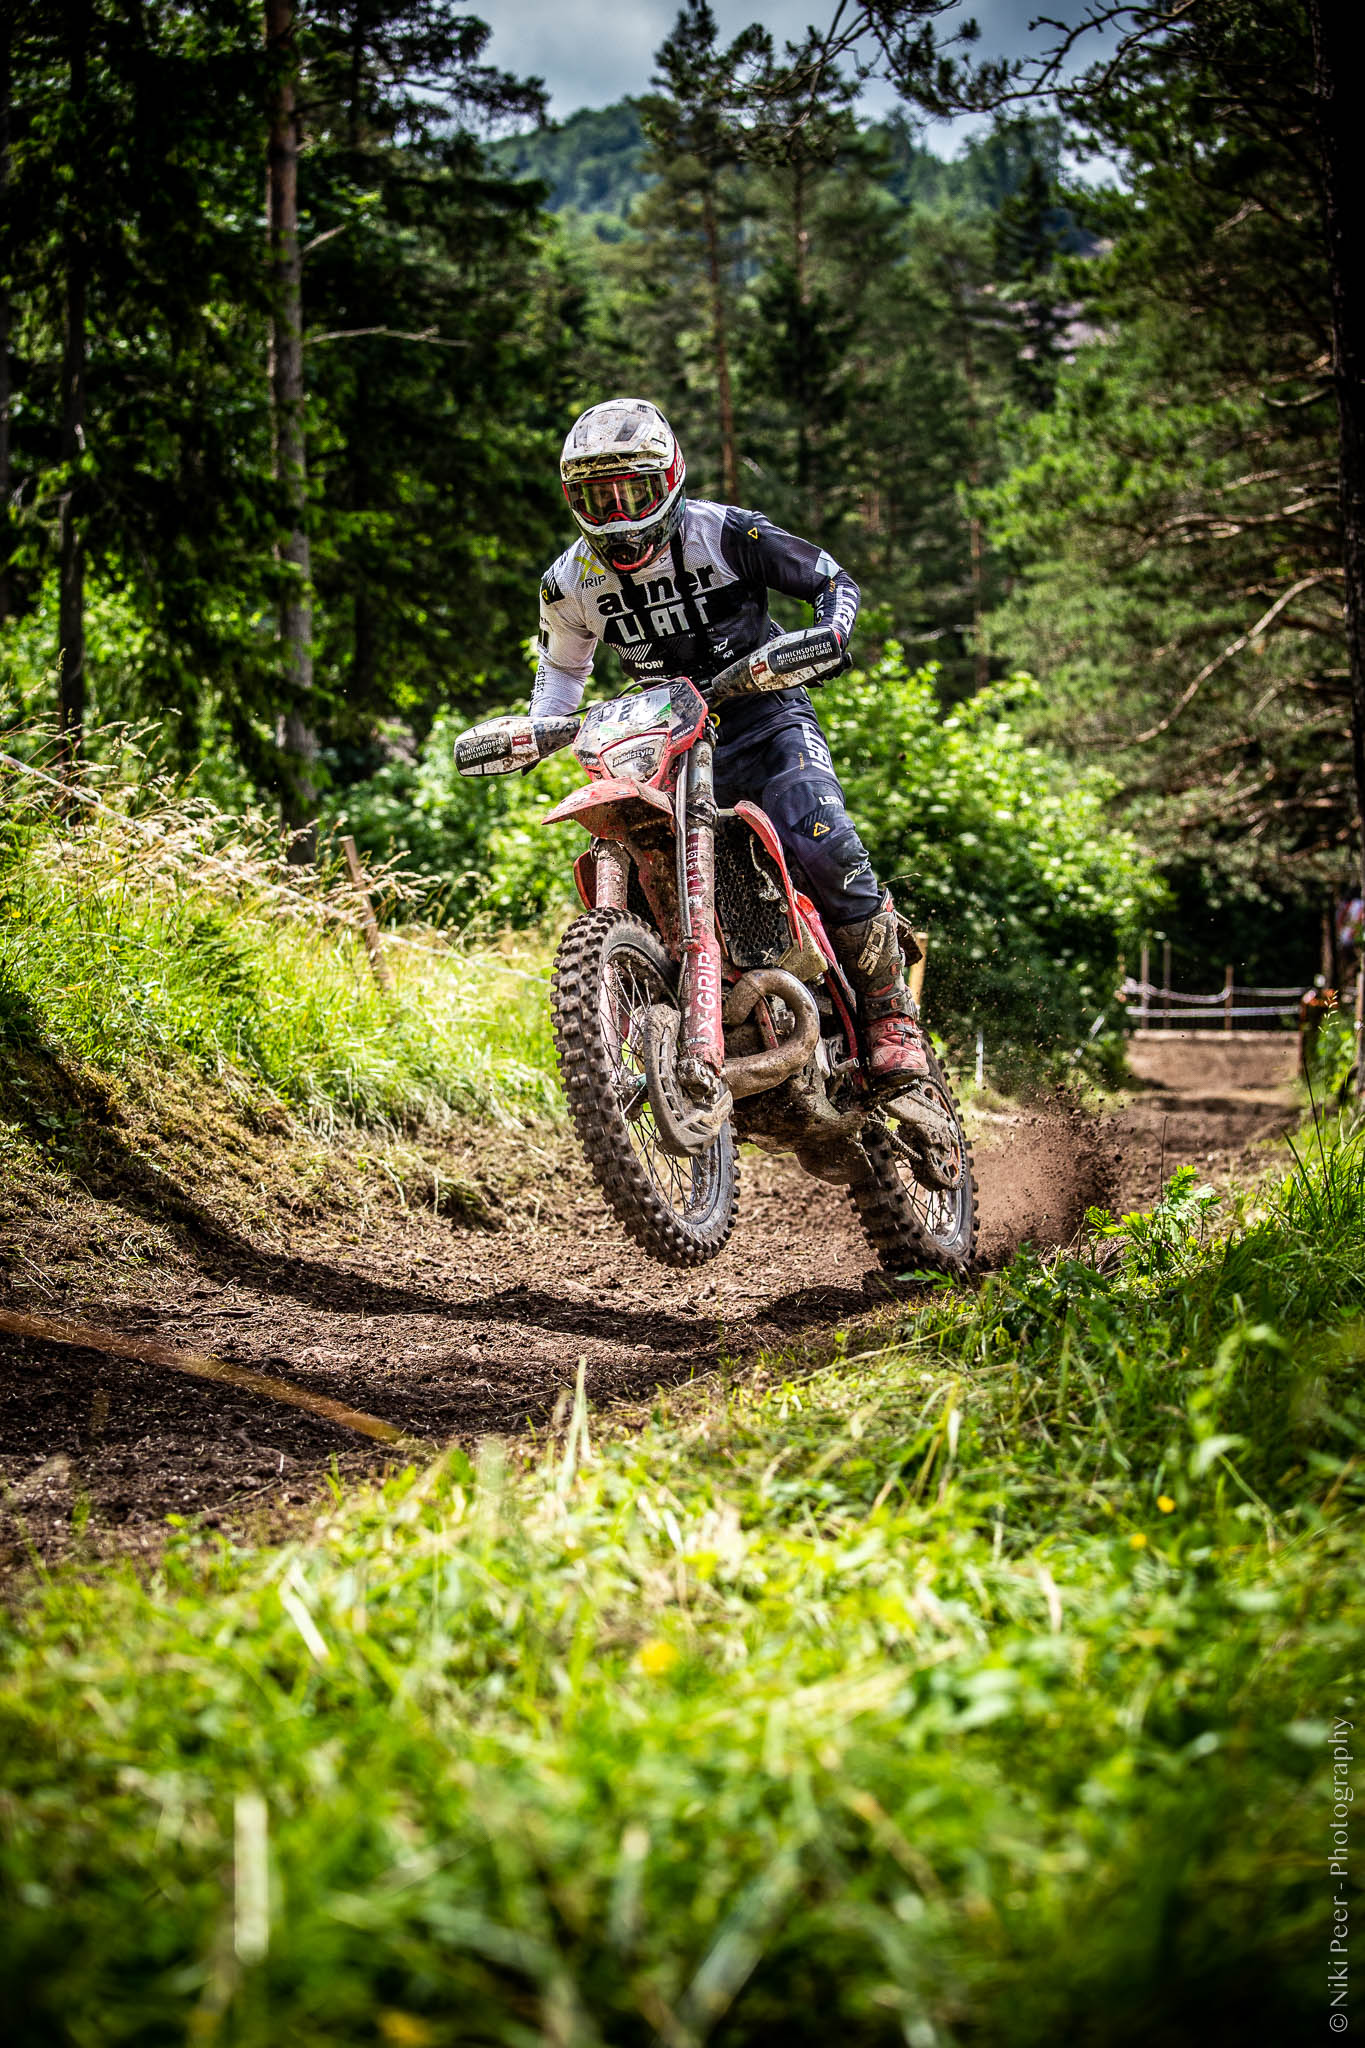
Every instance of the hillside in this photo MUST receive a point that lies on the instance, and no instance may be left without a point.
(591, 164)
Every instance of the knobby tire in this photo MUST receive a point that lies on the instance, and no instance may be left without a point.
(912, 1227)
(680, 1211)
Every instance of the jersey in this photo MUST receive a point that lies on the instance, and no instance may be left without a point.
(701, 605)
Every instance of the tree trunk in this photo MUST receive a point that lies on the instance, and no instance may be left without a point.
(729, 468)
(800, 232)
(981, 667)
(71, 535)
(801, 287)
(297, 741)
(1334, 28)
(6, 59)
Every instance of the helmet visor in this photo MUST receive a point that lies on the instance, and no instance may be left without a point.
(605, 500)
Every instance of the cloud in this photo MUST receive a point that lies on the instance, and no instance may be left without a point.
(590, 55)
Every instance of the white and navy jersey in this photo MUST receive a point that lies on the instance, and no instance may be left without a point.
(701, 605)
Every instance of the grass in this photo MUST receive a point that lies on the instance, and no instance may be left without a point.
(975, 1691)
(150, 930)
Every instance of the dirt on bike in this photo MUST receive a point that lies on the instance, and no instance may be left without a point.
(697, 1001)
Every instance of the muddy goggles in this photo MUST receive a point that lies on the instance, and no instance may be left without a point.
(605, 500)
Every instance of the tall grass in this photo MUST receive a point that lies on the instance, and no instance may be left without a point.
(141, 926)
(973, 1691)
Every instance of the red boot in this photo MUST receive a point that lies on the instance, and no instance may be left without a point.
(896, 1050)
(869, 953)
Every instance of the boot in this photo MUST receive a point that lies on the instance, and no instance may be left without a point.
(870, 954)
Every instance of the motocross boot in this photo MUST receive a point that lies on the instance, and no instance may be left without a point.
(870, 954)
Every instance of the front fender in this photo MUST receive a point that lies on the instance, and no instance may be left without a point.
(610, 809)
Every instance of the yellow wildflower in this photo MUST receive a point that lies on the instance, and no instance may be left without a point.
(1165, 1503)
(656, 1658)
(406, 2029)
(1138, 1540)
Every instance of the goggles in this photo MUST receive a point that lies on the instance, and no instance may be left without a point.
(605, 500)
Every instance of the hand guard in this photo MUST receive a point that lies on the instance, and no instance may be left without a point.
(790, 662)
(500, 745)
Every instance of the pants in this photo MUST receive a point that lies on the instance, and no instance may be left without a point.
(781, 761)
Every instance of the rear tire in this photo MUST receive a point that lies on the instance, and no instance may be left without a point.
(609, 969)
(912, 1227)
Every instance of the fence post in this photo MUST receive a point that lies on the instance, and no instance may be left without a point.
(374, 945)
(1166, 983)
(915, 975)
(1144, 976)
(1227, 999)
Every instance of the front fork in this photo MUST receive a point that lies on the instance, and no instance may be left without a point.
(702, 1056)
(701, 1050)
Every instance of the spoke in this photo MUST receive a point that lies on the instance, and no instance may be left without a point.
(936, 1210)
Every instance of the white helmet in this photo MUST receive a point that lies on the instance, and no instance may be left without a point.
(623, 474)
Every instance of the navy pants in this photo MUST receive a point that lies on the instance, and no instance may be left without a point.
(781, 761)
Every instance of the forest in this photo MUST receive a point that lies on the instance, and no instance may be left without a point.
(278, 478)
(912, 1599)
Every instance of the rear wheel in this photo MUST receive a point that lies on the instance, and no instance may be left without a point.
(609, 971)
(911, 1225)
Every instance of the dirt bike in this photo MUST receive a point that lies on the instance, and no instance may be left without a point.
(697, 1001)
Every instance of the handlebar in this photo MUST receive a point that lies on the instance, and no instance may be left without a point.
(501, 745)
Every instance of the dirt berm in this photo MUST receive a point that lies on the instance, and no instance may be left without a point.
(455, 1298)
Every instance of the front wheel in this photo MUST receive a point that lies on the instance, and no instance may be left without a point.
(609, 971)
(911, 1225)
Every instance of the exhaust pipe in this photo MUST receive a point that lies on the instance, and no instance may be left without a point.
(751, 1073)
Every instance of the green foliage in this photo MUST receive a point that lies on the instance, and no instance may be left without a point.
(979, 1688)
(1171, 519)
(479, 839)
(1028, 892)
(588, 164)
(1333, 1055)
(159, 931)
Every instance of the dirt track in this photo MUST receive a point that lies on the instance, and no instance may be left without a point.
(452, 1330)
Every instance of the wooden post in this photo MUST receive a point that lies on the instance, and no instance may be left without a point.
(1166, 984)
(915, 975)
(374, 945)
(1227, 999)
(1144, 976)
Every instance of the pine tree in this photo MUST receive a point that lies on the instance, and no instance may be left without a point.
(692, 220)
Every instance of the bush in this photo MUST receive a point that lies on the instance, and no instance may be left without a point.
(478, 839)
(1002, 849)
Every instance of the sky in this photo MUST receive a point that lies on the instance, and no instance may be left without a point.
(590, 53)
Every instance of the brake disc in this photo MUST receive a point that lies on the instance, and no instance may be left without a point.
(686, 1127)
(929, 1136)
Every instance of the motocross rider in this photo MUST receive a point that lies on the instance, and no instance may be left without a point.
(679, 587)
